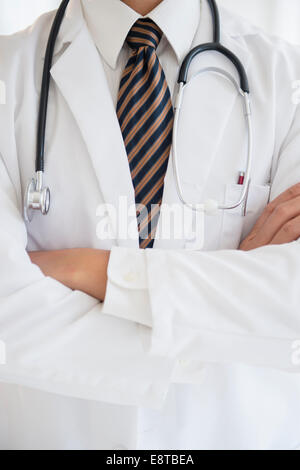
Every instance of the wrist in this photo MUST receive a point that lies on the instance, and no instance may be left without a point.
(90, 275)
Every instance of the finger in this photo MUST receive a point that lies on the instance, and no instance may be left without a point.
(280, 216)
(291, 193)
(34, 256)
(290, 232)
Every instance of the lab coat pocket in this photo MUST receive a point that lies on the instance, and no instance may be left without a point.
(238, 223)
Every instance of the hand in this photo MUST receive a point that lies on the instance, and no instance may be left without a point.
(279, 223)
(79, 269)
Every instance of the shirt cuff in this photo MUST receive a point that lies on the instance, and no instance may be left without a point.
(127, 295)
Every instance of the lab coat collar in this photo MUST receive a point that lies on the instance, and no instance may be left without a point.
(198, 19)
(110, 21)
(72, 24)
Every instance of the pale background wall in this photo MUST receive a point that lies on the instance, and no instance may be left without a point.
(280, 17)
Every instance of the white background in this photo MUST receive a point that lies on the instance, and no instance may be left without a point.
(280, 17)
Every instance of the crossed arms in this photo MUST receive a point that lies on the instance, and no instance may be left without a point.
(85, 270)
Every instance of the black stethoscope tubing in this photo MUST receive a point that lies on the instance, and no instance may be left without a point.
(214, 46)
(44, 98)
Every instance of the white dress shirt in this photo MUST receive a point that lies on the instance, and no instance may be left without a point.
(109, 22)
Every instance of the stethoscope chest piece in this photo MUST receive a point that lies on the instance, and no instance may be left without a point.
(36, 198)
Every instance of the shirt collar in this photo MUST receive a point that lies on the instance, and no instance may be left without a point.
(109, 22)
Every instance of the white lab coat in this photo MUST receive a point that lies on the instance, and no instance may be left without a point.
(209, 363)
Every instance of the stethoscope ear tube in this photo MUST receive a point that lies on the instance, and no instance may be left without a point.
(211, 207)
(215, 19)
(214, 47)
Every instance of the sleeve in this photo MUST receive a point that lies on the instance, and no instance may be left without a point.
(60, 341)
(225, 306)
(222, 307)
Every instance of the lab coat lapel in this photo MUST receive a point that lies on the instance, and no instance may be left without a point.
(80, 76)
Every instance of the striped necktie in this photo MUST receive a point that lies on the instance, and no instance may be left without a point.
(146, 117)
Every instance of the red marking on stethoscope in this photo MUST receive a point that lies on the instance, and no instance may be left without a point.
(241, 179)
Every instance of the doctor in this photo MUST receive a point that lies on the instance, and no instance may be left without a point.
(191, 349)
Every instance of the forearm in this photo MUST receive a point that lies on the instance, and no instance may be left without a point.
(59, 340)
(86, 269)
(198, 303)
(83, 270)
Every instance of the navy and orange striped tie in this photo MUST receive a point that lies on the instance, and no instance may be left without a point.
(146, 118)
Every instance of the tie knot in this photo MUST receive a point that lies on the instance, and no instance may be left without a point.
(144, 33)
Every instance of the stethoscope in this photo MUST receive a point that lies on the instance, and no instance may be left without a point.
(37, 197)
